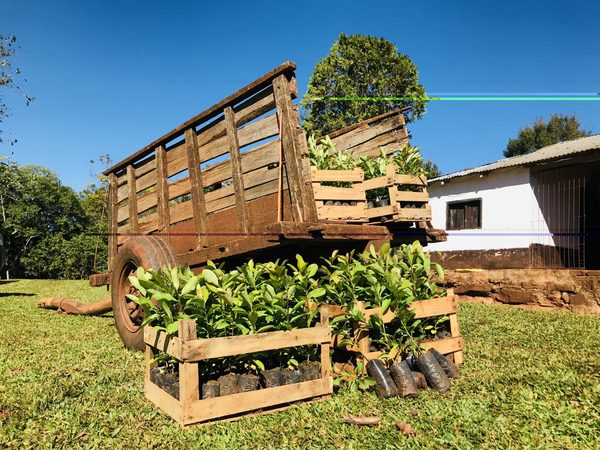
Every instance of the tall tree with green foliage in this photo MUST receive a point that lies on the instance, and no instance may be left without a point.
(9, 77)
(49, 230)
(559, 128)
(360, 66)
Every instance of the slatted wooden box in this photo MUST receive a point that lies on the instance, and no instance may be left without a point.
(189, 350)
(443, 306)
(408, 197)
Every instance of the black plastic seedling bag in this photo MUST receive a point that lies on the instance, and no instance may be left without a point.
(210, 389)
(435, 375)
(449, 367)
(290, 376)
(228, 384)
(383, 382)
(309, 370)
(405, 382)
(248, 382)
(271, 378)
(420, 380)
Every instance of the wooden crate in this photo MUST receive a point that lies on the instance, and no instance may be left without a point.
(442, 306)
(347, 204)
(189, 351)
(400, 197)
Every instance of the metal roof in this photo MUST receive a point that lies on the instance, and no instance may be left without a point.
(555, 151)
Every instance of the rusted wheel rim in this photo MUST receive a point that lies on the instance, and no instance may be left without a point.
(131, 308)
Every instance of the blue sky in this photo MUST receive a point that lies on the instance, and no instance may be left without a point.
(111, 76)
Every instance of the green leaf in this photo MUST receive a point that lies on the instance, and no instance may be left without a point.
(210, 277)
(172, 328)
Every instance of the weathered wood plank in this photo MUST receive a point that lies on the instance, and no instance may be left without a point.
(164, 401)
(409, 179)
(212, 408)
(407, 196)
(197, 189)
(355, 175)
(160, 340)
(290, 153)
(132, 201)
(201, 349)
(112, 214)
(189, 386)
(162, 191)
(386, 126)
(414, 214)
(345, 213)
(236, 166)
(338, 193)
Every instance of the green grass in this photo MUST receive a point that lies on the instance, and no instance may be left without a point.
(530, 380)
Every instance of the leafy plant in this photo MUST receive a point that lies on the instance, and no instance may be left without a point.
(352, 377)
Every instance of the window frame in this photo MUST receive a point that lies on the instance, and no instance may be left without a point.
(465, 201)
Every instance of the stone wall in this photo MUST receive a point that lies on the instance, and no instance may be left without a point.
(575, 290)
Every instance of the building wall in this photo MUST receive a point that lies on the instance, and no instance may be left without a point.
(508, 209)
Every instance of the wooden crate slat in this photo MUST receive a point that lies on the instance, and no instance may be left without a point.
(350, 213)
(380, 211)
(163, 342)
(164, 401)
(349, 140)
(379, 182)
(212, 408)
(410, 179)
(240, 345)
(338, 193)
(407, 196)
(445, 346)
(414, 214)
(337, 175)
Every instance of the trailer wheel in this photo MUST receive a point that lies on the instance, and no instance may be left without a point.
(149, 252)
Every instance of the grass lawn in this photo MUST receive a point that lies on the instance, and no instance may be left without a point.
(530, 380)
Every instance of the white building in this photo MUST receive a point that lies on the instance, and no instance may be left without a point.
(534, 210)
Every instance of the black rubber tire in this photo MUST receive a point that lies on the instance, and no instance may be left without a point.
(149, 252)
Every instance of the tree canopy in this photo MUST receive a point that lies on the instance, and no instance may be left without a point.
(559, 128)
(360, 66)
(49, 230)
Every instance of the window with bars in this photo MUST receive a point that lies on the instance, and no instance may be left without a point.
(463, 215)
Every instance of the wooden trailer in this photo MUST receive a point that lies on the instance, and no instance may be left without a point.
(232, 183)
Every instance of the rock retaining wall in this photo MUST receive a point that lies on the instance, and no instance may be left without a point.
(575, 290)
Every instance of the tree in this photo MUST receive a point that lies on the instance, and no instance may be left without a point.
(558, 129)
(360, 66)
(9, 76)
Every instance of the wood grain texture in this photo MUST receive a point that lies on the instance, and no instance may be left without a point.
(236, 168)
(112, 218)
(132, 200)
(162, 191)
(197, 189)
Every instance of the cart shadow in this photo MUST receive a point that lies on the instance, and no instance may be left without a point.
(16, 294)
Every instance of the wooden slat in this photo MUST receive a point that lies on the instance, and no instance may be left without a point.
(347, 141)
(197, 189)
(112, 214)
(376, 183)
(164, 401)
(446, 346)
(240, 345)
(132, 201)
(409, 179)
(161, 341)
(414, 214)
(212, 408)
(381, 211)
(325, 347)
(407, 196)
(180, 212)
(177, 160)
(347, 213)
(290, 153)
(208, 114)
(338, 193)
(179, 188)
(142, 182)
(249, 134)
(162, 190)
(189, 386)
(236, 167)
(366, 123)
(354, 176)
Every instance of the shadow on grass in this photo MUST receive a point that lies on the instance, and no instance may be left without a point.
(16, 294)
(7, 281)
